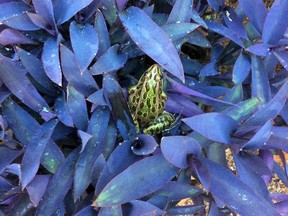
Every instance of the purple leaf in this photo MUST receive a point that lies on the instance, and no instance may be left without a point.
(97, 98)
(85, 137)
(58, 186)
(84, 83)
(117, 104)
(87, 211)
(34, 150)
(121, 158)
(12, 36)
(250, 169)
(197, 18)
(185, 6)
(77, 108)
(44, 8)
(222, 30)
(41, 22)
(152, 40)
(138, 207)
(223, 126)
(270, 110)
(230, 190)
(275, 23)
(84, 166)
(180, 104)
(260, 80)
(35, 69)
(177, 191)
(282, 207)
(16, 81)
(51, 62)
(103, 34)
(113, 210)
(234, 23)
(209, 69)
(282, 56)
(62, 110)
(261, 137)
(256, 12)
(144, 144)
(7, 156)
(65, 9)
(176, 149)
(84, 41)
(198, 39)
(21, 22)
(109, 61)
(89, 11)
(177, 31)
(259, 49)
(180, 88)
(243, 109)
(12, 9)
(187, 209)
(121, 4)
(37, 188)
(142, 183)
(23, 126)
(241, 68)
(216, 4)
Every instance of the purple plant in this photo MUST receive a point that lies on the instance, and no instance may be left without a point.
(68, 141)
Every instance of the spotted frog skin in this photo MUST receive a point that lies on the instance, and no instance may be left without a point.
(147, 102)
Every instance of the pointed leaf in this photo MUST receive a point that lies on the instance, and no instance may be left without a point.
(117, 104)
(223, 126)
(146, 34)
(37, 188)
(85, 163)
(222, 30)
(16, 81)
(35, 68)
(103, 34)
(84, 83)
(34, 150)
(12, 36)
(283, 58)
(77, 108)
(261, 137)
(51, 62)
(21, 22)
(109, 61)
(260, 80)
(256, 12)
(275, 23)
(121, 158)
(62, 110)
(260, 49)
(234, 23)
(12, 9)
(177, 31)
(58, 186)
(44, 8)
(270, 110)
(24, 126)
(241, 68)
(121, 4)
(185, 7)
(176, 149)
(231, 191)
(84, 41)
(65, 9)
(144, 181)
(109, 11)
(138, 207)
(7, 156)
(186, 210)
(215, 4)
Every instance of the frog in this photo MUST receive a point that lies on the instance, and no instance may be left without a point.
(147, 102)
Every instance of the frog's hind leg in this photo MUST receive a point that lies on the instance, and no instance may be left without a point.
(160, 124)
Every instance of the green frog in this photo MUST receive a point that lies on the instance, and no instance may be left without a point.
(147, 102)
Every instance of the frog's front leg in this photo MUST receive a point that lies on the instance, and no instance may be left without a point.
(160, 124)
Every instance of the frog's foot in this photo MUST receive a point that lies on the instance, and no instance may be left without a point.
(160, 124)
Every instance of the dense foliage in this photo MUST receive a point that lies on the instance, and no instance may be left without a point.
(68, 141)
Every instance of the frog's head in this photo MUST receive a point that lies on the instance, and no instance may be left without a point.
(153, 77)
